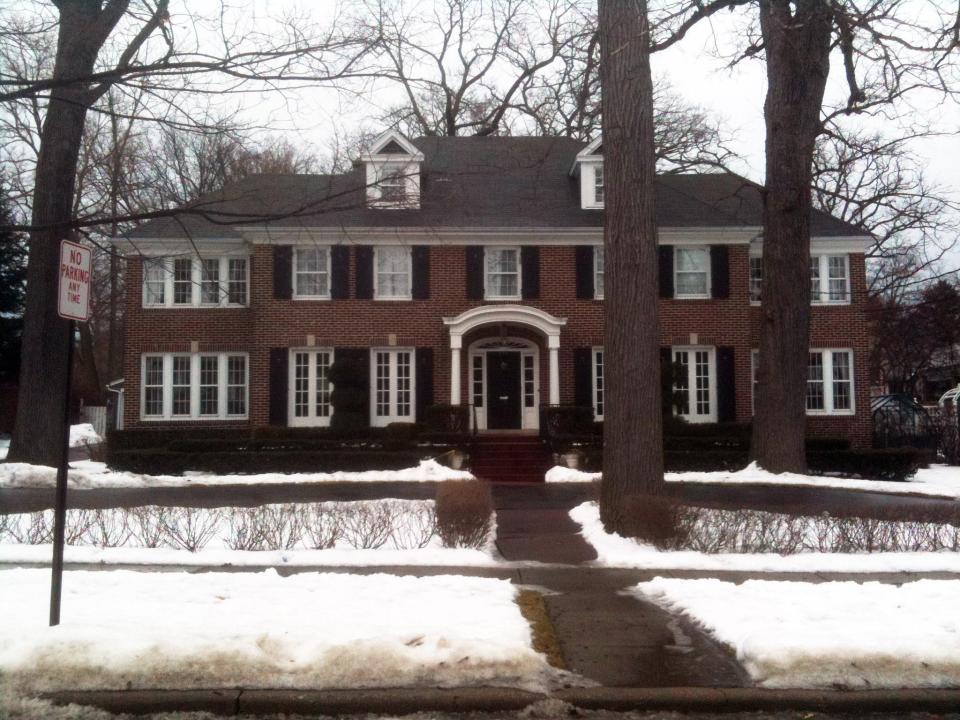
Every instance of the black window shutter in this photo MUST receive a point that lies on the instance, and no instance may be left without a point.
(474, 272)
(282, 272)
(726, 385)
(529, 272)
(584, 265)
(421, 272)
(359, 360)
(583, 377)
(720, 272)
(340, 272)
(424, 359)
(665, 258)
(363, 282)
(278, 385)
(666, 381)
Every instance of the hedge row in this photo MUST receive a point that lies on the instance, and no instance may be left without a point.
(166, 462)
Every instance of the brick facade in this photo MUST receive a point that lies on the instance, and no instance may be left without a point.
(270, 323)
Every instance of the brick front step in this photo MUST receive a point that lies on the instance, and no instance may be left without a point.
(510, 459)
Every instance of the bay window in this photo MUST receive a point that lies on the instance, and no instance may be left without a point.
(194, 386)
(195, 282)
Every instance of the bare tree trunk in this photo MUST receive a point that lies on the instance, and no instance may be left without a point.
(633, 432)
(44, 369)
(797, 46)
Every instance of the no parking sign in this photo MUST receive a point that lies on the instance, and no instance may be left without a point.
(74, 293)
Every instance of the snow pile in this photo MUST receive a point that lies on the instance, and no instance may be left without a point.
(617, 551)
(83, 434)
(126, 629)
(847, 634)
(87, 475)
(4, 446)
(937, 480)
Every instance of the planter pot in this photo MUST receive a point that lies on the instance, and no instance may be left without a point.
(572, 460)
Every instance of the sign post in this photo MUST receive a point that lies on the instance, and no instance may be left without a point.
(73, 304)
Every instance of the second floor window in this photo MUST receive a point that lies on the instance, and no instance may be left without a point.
(393, 270)
(829, 279)
(598, 272)
(756, 278)
(195, 282)
(311, 272)
(692, 272)
(503, 273)
(393, 187)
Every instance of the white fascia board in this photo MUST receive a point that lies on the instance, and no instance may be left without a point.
(822, 245)
(385, 139)
(156, 247)
(588, 153)
(484, 236)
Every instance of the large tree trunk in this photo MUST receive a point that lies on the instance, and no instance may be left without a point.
(797, 46)
(37, 434)
(633, 428)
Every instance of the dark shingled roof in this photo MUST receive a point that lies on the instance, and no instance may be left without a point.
(521, 182)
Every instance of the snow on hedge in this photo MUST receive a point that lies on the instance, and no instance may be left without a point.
(853, 635)
(125, 629)
(87, 475)
(617, 551)
(937, 480)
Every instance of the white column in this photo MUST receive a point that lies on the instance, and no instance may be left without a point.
(455, 345)
(553, 342)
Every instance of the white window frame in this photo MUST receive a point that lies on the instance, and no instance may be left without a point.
(827, 354)
(754, 297)
(822, 297)
(597, 392)
(392, 416)
(222, 387)
(166, 265)
(311, 419)
(329, 271)
(691, 350)
(598, 184)
(408, 254)
(828, 396)
(486, 273)
(705, 249)
(599, 259)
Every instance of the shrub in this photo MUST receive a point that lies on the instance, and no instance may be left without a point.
(464, 509)
(892, 464)
(447, 420)
(655, 519)
(163, 462)
(349, 398)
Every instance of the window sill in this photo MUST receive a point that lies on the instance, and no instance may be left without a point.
(194, 307)
(500, 298)
(408, 298)
(323, 298)
(191, 419)
(830, 413)
(693, 297)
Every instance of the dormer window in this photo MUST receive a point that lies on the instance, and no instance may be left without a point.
(393, 173)
(588, 169)
(598, 184)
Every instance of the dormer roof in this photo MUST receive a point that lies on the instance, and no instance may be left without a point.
(392, 145)
(593, 151)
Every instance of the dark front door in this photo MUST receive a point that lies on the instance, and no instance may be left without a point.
(503, 391)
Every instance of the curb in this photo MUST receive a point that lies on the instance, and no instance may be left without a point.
(400, 701)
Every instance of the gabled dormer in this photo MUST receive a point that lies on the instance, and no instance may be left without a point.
(588, 167)
(393, 172)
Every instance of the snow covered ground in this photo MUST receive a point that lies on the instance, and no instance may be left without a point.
(854, 635)
(617, 551)
(80, 435)
(937, 480)
(86, 475)
(124, 629)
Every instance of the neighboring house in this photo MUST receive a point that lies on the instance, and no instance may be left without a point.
(463, 271)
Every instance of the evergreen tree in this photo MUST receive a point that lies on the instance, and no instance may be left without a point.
(13, 257)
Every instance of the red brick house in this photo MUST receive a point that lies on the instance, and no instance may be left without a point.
(462, 271)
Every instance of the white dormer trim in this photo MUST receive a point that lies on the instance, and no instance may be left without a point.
(404, 167)
(587, 165)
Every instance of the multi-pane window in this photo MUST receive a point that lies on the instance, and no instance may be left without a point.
(393, 273)
(829, 279)
(503, 273)
(154, 282)
(194, 282)
(829, 381)
(694, 383)
(311, 272)
(393, 187)
(183, 281)
(311, 387)
(598, 266)
(598, 384)
(477, 379)
(756, 278)
(691, 272)
(237, 281)
(529, 382)
(392, 379)
(192, 386)
(598, 195)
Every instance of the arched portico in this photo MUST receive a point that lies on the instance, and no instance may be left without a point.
(508, 315)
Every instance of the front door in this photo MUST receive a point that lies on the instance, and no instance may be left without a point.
(503, 391)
